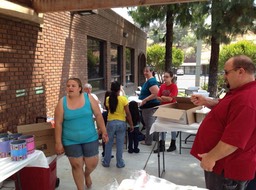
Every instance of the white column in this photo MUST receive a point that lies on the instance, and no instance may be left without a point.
(198, 62)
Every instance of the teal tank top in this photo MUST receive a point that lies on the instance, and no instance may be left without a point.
(78, 125)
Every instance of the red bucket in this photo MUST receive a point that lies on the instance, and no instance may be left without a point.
(30, 142)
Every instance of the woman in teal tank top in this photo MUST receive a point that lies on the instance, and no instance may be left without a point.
(75, 132)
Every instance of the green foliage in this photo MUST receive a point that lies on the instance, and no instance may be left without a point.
(240, 48)
(92, 60)
(177, 57)
(144, 15)
(204, 86)
(221, 82)
(172, 14)
(228, 18)
(181, 94)
(156, 56)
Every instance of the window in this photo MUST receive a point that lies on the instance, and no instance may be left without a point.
(95, 59)
(129, 65)
(116, 60)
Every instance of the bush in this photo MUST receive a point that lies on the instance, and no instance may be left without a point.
(240, 48)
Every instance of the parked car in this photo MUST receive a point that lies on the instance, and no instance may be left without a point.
(180, 72)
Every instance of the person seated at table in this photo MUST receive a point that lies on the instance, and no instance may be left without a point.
(166, 94)
(133, 136)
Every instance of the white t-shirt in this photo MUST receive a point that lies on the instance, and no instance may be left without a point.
(97, 99)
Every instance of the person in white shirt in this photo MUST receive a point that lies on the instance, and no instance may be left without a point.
(88, 90)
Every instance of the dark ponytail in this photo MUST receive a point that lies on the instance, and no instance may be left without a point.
(113, 101)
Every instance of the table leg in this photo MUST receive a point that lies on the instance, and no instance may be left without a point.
(163, 164)
(18, 181)
(180, 142)
(158, 157)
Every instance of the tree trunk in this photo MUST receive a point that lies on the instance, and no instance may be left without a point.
(213, 69)
(169, 39)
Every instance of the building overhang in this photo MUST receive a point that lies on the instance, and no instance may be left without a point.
(44, 6)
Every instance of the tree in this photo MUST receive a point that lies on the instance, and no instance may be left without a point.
(228, 18)
(155, 58)
(171, 14)
(240, 48)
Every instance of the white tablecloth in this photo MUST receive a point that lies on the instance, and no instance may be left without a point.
(165, 125)
(9, 167)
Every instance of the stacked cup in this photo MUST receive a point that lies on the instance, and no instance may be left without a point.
(16, 145)
(30, 142)
(4, 145)
(18, 150)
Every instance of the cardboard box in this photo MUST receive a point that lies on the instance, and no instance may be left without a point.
(200, 117)
(201, 114)
(44, 136)
(182, 112)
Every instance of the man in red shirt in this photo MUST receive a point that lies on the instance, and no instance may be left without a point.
(226, 140)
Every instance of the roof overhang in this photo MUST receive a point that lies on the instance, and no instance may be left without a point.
(44, 6)
(18, 11)
(31, 9)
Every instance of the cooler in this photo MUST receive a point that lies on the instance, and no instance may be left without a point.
(36, 178)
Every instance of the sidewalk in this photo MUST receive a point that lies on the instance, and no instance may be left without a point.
(181, 169)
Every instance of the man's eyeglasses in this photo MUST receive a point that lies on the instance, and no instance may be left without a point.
(234, 69)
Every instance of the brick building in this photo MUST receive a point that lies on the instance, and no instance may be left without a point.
(36, 59)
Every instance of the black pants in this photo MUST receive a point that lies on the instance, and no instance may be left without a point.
(218, 182)
(133, 138)
(252, 185)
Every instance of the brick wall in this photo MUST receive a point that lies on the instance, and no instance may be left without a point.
(33, 56)
(21, 68)
(65, 40)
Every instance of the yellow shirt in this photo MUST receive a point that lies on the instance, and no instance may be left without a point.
(119, 114)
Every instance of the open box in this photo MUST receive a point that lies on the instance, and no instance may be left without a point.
(182, 112)
(201, 114)
(43, 135)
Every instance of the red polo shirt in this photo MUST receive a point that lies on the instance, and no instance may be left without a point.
(233, 121)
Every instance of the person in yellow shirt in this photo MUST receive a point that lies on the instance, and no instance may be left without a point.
(118, 113)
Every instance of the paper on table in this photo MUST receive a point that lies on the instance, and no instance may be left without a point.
(134, 98)
(203, 110)
(150, 182)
